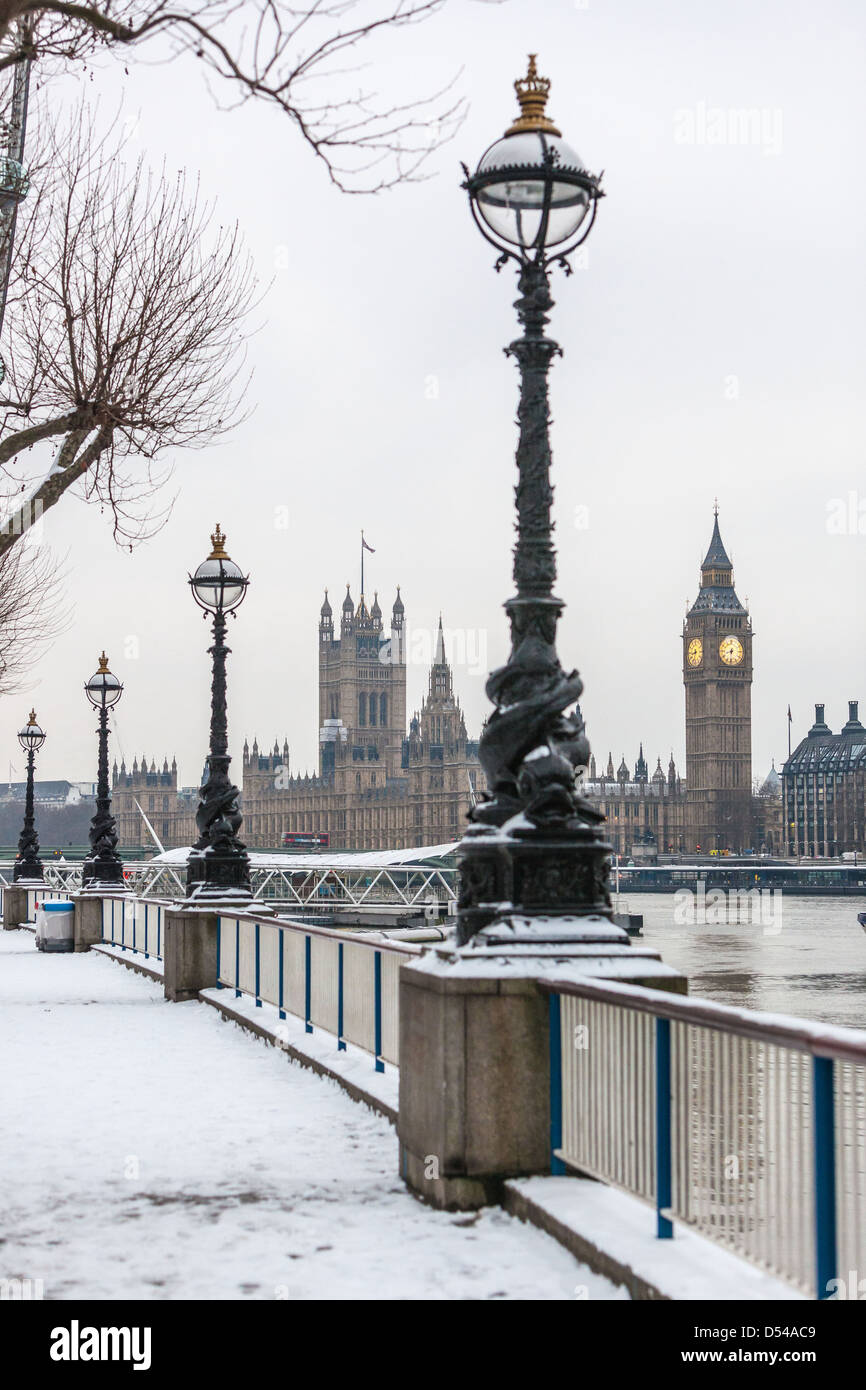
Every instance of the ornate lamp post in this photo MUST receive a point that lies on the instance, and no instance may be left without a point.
(28, 865)
(535, 848)
(103, 864)
(218, 865)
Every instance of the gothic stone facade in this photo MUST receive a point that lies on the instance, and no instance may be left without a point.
(712, 809)
(170, 811)
(376, 787)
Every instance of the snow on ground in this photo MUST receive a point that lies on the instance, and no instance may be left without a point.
(151, 1150)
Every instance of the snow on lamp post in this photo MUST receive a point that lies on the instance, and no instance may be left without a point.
(535, 845)
(28, 865)
(103, 865)
(218, 866)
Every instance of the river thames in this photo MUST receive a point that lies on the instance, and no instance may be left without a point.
(794, 955)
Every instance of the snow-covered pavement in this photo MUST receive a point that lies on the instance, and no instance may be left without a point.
(150, 1150)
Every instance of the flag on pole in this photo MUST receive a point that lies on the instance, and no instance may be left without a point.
(364, 546)
(789, 731)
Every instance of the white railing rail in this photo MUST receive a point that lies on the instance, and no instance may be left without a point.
(749, 1127)
(134, 924)
(345, 984)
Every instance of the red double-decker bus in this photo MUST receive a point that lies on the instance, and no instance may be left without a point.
(306, 839)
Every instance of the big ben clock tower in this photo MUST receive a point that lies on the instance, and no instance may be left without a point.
(717, 673)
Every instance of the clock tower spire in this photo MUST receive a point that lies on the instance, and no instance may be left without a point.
(717, 673)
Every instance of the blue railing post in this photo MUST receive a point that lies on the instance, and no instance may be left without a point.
(308, 983)
(664, 1180)
(159, 932)
(123, 923)
(112, 921)
(280, 994)
(825, 1175)
(380, 1065)
(146, 952)
(237, 958)
(341, 1041)
(555, 1013)
(134, 920)
(219, 944)
(258, 970)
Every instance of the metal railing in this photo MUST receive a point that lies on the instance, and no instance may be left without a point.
(748, 1127)
(133, 924)
(56, 875)
(43, 895)
(346, 985)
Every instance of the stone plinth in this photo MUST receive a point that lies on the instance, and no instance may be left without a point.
(189, 951)
(15, 905)
(88, 920)
(474, 1050)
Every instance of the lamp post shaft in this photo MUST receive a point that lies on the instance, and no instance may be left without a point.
(103, 864)
(535, 844)
(534, 554)
(218, 861)
(28, 864)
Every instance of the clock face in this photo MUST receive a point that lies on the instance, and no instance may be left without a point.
(696, 652)
(731, 651)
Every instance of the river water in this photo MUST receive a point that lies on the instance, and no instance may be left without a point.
(788, 954)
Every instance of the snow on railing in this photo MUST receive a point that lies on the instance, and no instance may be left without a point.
(347, 985)
(748, 1127)
(135, 924)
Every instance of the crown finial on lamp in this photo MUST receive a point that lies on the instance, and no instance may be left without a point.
(218, 541)
(103, 662)
(532, 93)
(31, 719)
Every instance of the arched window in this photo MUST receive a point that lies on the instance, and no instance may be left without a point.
(362, 709)
(357, 779)
(373, 703)
(383, 709)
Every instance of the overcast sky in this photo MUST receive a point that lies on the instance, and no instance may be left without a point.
(714, 346)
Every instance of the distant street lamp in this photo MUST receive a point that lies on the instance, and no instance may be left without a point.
(103, 865)
(28, 865)
(536, 845)
(218, 866)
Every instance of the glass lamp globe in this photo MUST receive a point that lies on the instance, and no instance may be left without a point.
(218, 584)
(530, 188)
(103, 689)
(31, 736)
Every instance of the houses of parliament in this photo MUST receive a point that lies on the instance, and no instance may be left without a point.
(377, 786)
(380, 785)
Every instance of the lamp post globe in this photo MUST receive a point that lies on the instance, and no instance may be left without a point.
(103, 865)
(28, 865)
(531, 195)
(218, 869)
(535, 845)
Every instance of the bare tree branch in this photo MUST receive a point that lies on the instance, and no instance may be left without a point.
(270, 51)
(32, 612)
(126, 339)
